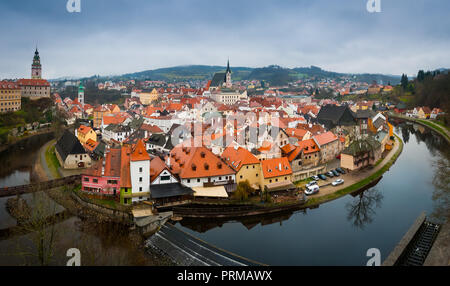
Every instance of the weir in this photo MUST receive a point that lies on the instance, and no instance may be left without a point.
(188, 250)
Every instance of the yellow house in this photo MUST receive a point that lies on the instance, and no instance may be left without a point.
(276, 174)
(246, 165)
(147, 97)
(84, 133)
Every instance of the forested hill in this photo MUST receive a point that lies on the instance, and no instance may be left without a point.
(275, 75)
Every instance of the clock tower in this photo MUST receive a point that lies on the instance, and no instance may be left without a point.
(36, 68)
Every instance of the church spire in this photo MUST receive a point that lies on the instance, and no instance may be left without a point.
(228, 66)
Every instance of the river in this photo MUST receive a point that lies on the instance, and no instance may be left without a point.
(336, 233)
(340, 232)
(99, 244)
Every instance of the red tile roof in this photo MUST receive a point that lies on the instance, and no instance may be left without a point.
(276, 167)
(197, 162)
(9, 85)
(35, 82)
(239, 157)
(125, 177)
(139, 152)
(95, 169)
(84, 129)
(112, 163)
(156, 167)
(325, 138)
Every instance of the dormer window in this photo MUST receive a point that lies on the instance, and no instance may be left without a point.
(194, 168)
(202, 154)
(206, 166)
(219, 165)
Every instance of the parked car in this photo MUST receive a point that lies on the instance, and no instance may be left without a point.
(312, 183)
(322, 177)
(311, 190)
(338, 182)
(340, 170)
(335, 173)
(329, 174)
(315, 178)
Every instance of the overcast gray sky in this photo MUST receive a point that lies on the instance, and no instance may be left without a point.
(114, 37)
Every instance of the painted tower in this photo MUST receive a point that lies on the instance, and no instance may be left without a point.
(228, 83)
(81, 94)
(36, 68)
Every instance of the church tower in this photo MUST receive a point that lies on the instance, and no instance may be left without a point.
(36, 69)
(228, 83)
(81, 95)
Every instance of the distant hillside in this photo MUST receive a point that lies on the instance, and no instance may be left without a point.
(275, 75)
(186, 73)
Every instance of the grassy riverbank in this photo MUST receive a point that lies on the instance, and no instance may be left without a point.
(52, 161)
(438, 128)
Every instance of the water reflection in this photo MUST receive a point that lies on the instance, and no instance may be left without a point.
(361, 211)
(205, 225)
(441, 183)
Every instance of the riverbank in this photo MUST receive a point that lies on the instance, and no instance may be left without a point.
(427, 123)
(360, 180)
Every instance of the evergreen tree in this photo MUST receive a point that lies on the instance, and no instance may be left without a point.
(421, 75)
(404, 81)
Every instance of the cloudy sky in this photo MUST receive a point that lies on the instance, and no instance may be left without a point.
(119, 36)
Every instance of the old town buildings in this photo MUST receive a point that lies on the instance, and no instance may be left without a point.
(10, 96)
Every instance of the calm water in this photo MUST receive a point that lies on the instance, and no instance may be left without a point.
(100, 244)
(340, 232)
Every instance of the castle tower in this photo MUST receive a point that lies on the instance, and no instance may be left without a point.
(228, 83)
(81, 94)
(36, 68)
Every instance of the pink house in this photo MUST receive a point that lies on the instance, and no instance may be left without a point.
(104, 178)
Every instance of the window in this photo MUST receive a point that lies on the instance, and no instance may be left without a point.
(95, 180)
(270, 181)
(140, 179)
(140, 189)
(140, 170)
(198, 180)
(165, 178)
(86, 179)
(256, 174)
(241, 176)
(188, 180)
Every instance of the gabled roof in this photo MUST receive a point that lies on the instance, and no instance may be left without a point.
(276, 167)
(236, 158)
(68, 144)
(156, 167)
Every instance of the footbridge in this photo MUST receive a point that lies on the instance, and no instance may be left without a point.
(39, 186)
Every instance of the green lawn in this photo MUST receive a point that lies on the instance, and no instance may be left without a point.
(52, 161)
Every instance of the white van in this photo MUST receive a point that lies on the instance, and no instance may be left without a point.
(311, 190)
